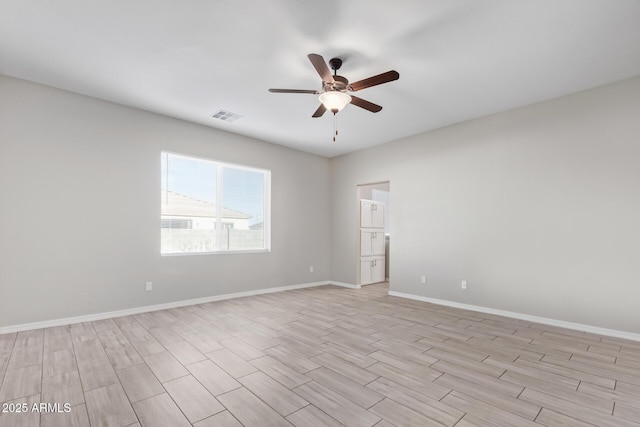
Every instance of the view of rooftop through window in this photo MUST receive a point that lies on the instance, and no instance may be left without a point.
(210, 206)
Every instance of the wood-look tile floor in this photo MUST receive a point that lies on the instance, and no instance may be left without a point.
(324, 356)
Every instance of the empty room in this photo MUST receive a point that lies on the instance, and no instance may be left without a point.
(296, 213)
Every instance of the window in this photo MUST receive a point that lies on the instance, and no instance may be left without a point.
(209, 206)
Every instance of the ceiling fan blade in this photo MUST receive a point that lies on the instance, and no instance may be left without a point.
(389, 76)
(320, 65)
(315, 92)
(320, 111)
(363, 103)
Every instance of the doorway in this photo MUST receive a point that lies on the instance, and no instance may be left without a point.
(373, 232)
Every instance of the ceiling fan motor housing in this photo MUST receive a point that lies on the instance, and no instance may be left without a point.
(339, 83)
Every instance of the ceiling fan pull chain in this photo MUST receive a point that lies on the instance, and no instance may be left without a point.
(335, 126)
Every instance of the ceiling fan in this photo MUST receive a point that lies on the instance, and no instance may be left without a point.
(334, 96)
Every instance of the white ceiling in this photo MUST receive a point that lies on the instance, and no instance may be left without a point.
(457, 59)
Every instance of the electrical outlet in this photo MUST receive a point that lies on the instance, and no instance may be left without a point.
(463, 285)
(311, 269)
(423, 279)
(149, 286)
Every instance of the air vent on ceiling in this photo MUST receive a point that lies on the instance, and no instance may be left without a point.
(226, 116)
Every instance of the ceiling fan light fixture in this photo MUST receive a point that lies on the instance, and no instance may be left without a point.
(334, 100)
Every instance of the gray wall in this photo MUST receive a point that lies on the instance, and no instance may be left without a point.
(537, 208)
(79, 209)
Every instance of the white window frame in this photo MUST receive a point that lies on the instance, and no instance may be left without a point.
(219, 205)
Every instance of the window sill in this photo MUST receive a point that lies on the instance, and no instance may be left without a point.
(239, 251)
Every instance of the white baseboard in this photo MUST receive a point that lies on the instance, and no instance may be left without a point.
(156, 307)
(536, 319)
(345, 285)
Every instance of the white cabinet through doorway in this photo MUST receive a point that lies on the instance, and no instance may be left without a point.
(371, 241)
(371, 214)
(371, 270)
